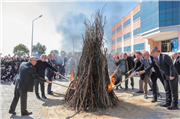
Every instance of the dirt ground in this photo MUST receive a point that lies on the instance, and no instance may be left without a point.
(130, 105)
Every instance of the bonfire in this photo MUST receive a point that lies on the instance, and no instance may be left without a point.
(92, 82)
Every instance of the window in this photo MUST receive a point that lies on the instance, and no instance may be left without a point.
(119, 39)
(119, 50)
(127, 22)
(113, 32)
(127, 35)
(136, 31)
(127, 49)
(119, 28)
(136, 16)
(113, 50)
(138, 47)
(113, 41)
(169, 45)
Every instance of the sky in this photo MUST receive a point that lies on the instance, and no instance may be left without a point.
(60, 24)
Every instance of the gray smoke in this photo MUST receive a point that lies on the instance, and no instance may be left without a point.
(72, 27)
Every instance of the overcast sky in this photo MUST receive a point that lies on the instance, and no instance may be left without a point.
(61, 22)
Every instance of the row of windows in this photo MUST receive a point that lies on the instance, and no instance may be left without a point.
(127, 35)
(127, 22)
(168, 17)
(113, 41)
(137, 31)
(127, 49)
(119, 28)
(168, 4)
(169, 23)
(119, 50)
(113, 32)
(136, 16)
(166, 11)
(139, 47)
(119, 39)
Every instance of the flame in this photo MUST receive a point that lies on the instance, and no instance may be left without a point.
(75, 85)
(72, 77)
(111, 84)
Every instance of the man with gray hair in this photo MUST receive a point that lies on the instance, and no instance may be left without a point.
(41, 67)
(170, 76)
(24, 83)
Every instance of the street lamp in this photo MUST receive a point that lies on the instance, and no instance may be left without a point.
(32, 32)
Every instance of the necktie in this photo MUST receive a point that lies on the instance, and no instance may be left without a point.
(157, 61)
(174, 61)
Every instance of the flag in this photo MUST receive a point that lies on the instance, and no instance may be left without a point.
(37, 55)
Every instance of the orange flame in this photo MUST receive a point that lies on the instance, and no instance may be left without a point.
(72, 77)
(111, 84)
(75, 85)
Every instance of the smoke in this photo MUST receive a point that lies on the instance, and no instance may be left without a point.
(71, 27)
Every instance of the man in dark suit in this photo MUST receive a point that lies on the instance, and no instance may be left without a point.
(129, 66)
(170, 78)
(50, 74)
(24, 59)
(41, 66)
(154, 73)
(137, 64)
(144, 76)
(176, 64)
(24, 83)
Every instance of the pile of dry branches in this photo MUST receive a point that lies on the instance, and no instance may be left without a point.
(92, 79)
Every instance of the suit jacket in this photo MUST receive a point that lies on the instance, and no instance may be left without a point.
(130, 62)
(166, 67)
(24, 60)
(26, 77)
(156, 67)
(49, 72)
(177, 65)
(136, 65)
(59, 61)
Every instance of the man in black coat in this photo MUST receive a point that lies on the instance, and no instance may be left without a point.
(137, 64)
(129, 66)
(176, 62)
(24, 83)
(154, 73)
(50, 74)
(41, 66)
(170, 78)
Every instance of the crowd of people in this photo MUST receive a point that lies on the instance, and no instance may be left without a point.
(149, 67)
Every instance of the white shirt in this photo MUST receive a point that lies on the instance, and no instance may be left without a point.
(158, 57)
(150, 63)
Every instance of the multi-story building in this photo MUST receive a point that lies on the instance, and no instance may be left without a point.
(150, 24)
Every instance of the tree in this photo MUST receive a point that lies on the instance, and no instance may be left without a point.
(40, 48)
(21, 50)
(54, 52)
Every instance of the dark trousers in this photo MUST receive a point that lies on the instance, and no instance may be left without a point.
(126, 82)
(61, 71)
(37, 87)
(171, 88)
(49, 85)
(23, 96)
(154, 77)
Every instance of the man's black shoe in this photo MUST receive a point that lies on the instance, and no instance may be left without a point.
(28, 113)
(50, 93)
(165, 105)
(126, 89)
(12, 112)
(154, 100)
(140, 92)
(43, 96)
(150, 89)
(38, 97)
(145, 97)
(132, 88)
(173, 107)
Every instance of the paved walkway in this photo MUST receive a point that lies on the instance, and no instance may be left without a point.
(36, 105)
